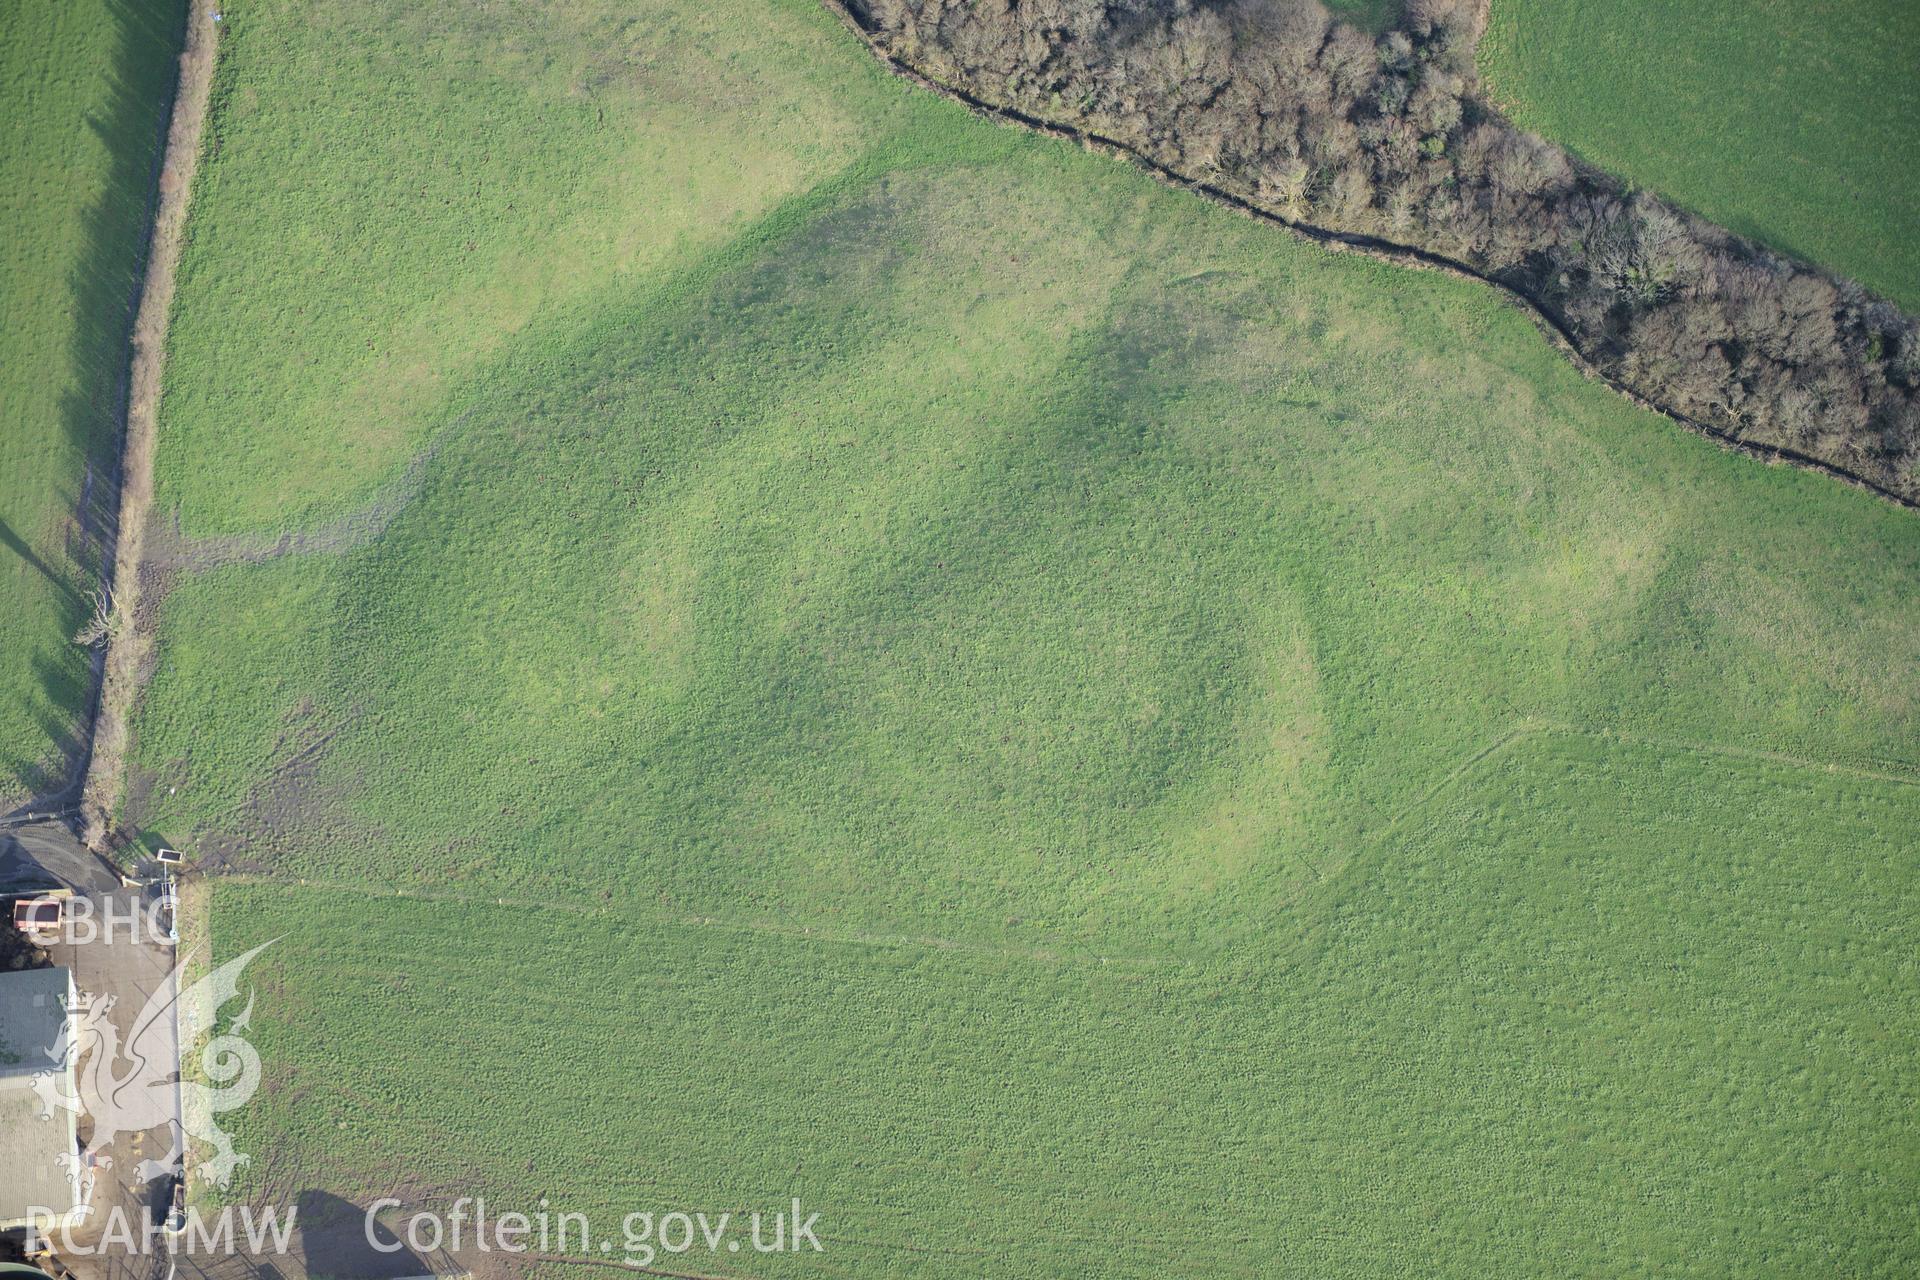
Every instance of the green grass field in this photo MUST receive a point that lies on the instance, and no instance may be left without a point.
(1793, 122)
(1071, 731)
(86, 86)
(1596, 1008)
(1373, 15)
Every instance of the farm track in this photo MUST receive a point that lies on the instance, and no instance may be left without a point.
(1534, 727)
(1899, 774)
(1366, 246)
(569, 1260)
(1452, 776)
(103, 754)
(879, 941)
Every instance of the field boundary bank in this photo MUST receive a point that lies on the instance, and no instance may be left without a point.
(1528, 727)
(1348, 242)
(130, 637)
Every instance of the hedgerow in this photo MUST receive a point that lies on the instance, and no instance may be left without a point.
(1275, 103)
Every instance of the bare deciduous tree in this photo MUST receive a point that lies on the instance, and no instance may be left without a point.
(102, 623)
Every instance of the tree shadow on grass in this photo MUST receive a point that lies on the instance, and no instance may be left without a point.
(109, 265)
(104, 286)
(18, 545)
(332, 1239)
(340, 1241)
(41, 775)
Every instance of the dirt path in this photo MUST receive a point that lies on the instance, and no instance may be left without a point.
(132, 632)
(169, 551)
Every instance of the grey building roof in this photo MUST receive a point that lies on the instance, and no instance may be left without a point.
(33, 1012)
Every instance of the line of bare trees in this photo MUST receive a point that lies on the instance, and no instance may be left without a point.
(1275, 103)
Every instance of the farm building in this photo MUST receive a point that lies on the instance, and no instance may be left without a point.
(36, 1152)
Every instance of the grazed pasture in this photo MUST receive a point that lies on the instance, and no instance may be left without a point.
(1072, 731)
(86, 86)
(1593, 1007)
(1795, 123)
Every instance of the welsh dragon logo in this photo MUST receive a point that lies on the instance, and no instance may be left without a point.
(133, 1087)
